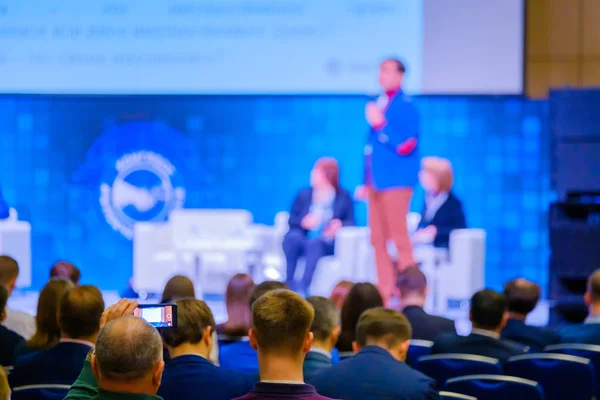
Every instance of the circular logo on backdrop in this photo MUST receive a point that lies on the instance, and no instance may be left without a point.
(138, 172)
(142, 190)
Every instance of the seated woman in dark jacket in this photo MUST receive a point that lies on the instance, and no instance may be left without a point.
(316, 216)
(443, 210)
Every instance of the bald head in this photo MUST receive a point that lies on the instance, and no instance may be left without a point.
(521, 296)
(593, 287)
(128, 350)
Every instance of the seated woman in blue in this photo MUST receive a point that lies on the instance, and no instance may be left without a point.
(317, 214)
(443, 210)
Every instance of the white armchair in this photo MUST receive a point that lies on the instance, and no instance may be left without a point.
(15, 241)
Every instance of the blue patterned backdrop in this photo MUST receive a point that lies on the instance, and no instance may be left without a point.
(255, 153)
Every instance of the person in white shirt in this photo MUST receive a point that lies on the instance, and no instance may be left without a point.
(17, 321)
(326, 330)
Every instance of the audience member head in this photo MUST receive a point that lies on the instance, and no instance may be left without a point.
(436, 174)
(281, 321)
(362, 296)
(326, 323)
(384, 328)
(325, 174)
(265, 287)
(79, 313)
(65, 270)
(237, 298)
(128, 357)
(47, 331)
(9, 271)
(340, 292)
(592, 293)
(3, 301)
(178, 287)
(521, 297)
(4, 386)
(193, 334)
(391, 74)
(488, 310)
(412, 285)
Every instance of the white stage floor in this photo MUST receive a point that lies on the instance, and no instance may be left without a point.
(27, 301)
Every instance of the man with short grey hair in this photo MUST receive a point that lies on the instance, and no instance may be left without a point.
(127, 361)
(325, 329)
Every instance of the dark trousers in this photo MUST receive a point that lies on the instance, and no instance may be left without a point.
(296, 245)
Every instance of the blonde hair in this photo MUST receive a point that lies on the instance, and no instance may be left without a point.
(441, 169)
(280, 320)
(4, 387)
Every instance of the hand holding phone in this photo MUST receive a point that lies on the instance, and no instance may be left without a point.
(158, 315)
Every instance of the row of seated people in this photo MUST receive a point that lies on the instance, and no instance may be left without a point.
(83, 302)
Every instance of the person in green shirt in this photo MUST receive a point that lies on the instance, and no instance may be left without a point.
(127, 362)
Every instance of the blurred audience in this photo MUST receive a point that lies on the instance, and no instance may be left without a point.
(189, 374)
(47, 333)
(280, 334)
(9, 340)
(340, 292)
(361, 297)
(79, 321)
(412, 285)
(17, 321)
(65, 270)
(488, 316)
(127, 361)
(443, 210)
(589, 331)
(326, 330)
(521, 298)
(378, 370)
(178, 287)
(237, 298)
(316, 216)
(240, 356)
(4, 386)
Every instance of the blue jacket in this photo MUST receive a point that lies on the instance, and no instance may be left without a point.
(533, 336)
(373, 374)
(3, 207)
(315, 362)
(479, 345)
(448, 217)
(239, 356)
(343, 208)
(9, 342)
(194, 377)
(425, 326)
(388, 168)
(581, 333)
(59, 365)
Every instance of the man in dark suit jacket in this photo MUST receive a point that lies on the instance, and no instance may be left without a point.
(326, 330)
(377, 371)
(589, 331)
(521, 298)
(412, 285)
(488, 317)
(189, 373)
(9, 340)
(316, 216)
(79, 315)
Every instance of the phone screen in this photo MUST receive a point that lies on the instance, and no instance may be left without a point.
(159, 316)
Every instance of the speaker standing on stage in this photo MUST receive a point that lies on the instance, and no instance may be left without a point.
(391, 172)
(4, 211)
(316, 216)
